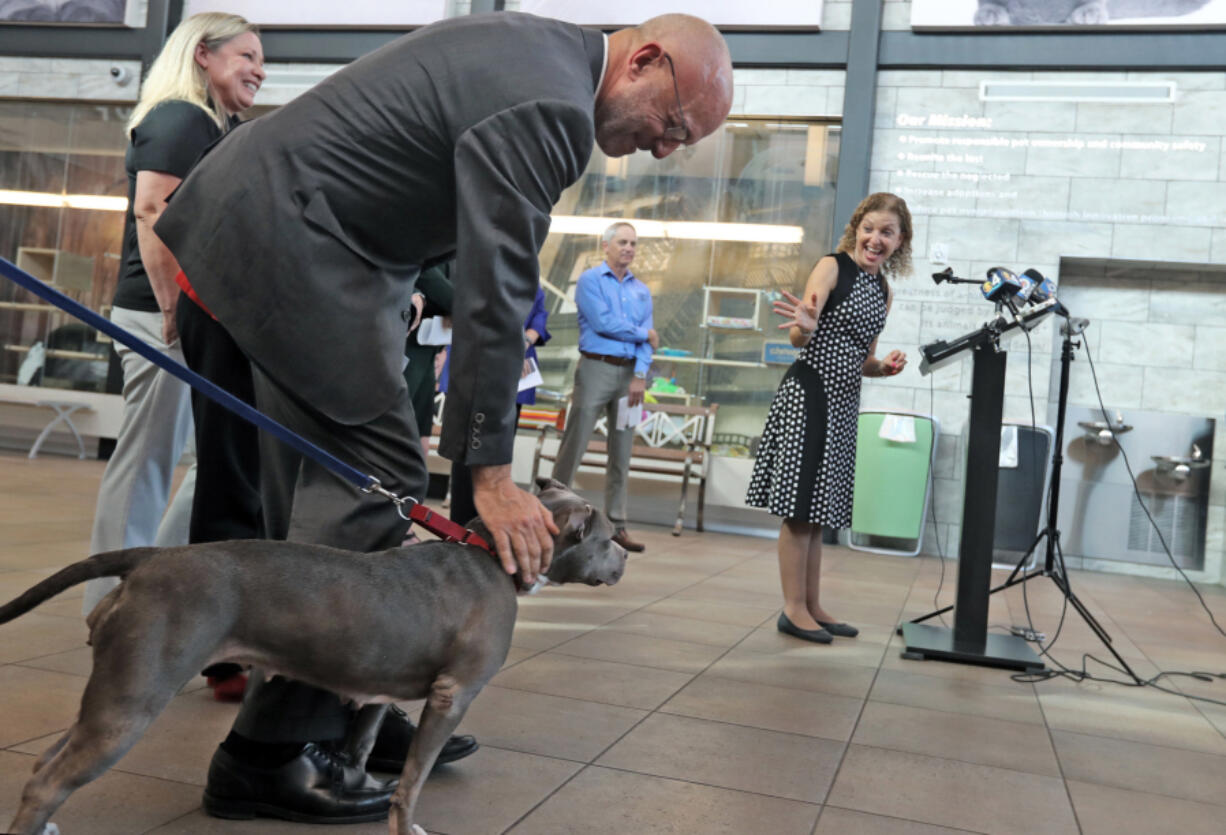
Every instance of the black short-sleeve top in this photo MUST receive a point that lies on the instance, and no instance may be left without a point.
(169, 139)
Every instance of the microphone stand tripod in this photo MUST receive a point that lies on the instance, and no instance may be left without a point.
(1053, 563)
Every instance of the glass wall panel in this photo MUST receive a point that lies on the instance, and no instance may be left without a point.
(53, 159)
(723, 228)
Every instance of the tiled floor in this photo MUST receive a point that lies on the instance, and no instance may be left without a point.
(669, 704)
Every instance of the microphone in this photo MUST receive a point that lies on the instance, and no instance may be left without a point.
(1045, 289)
(1002, 285)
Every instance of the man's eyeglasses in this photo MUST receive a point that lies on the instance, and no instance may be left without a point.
(676, 133)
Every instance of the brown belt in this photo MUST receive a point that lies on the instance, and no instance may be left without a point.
(610, 360)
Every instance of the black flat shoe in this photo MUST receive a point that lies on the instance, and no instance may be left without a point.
(317, 786)
(817, 636)
(840, 630)
(395, 736)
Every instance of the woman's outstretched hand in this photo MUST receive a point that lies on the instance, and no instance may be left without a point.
(797, 313)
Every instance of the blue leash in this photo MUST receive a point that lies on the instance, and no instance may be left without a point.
(365, 483)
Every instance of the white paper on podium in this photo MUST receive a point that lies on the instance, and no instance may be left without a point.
(532, 378)
(628, 416)
(433, 331)
(898, 428)
(1008, 446)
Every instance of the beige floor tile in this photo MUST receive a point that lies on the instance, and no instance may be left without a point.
(489, 791)
(771, 708)
(643, 651)
(1102, 810)
(178, 745)
(538, 636)
(35, 703)
(34, 635)
(114, 804)
(1011, 701)
(727, 591)
(77, 662)
(716, 612)
(814, 673)
(846, 822)
(1136, 715)
(601, 801)
(951, 793)
(1187, 775)
(728, 756)
(535, 723)
(592, 680)
(958, 736)
(656, 625)
(517, 654)
(13, 583)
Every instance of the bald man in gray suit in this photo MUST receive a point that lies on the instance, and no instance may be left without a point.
(303, 232)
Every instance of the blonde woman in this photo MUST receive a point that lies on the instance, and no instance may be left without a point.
(807, 457)
(207, 72)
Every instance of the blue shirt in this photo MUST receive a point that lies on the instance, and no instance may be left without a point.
(614, 316)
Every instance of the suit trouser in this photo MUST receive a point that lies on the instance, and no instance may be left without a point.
(305, 502)
(156, 425)
(227, 501)
(598, 387)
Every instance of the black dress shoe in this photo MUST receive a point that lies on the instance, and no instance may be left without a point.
(395, 736)
(839, 630)
(817, 636)
(317, 786)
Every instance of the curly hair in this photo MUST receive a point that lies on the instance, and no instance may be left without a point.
(898, 264)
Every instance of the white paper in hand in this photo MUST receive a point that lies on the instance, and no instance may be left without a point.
(628, 416)
(532, 378)
(433, 331)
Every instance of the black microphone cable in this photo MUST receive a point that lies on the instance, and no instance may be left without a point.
(1083, 674)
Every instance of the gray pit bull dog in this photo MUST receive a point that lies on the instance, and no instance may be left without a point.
(433, 623)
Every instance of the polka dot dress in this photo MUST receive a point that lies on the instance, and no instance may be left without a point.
(807, 457)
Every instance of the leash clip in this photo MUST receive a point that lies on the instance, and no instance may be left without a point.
(400, 501)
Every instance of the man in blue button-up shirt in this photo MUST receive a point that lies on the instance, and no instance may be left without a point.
(616, 340)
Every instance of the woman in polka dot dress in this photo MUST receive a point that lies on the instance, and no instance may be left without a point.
(807, 457)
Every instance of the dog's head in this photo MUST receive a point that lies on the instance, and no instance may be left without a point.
(584, 550)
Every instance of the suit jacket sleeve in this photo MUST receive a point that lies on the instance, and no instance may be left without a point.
(435, 287)
(510, 170)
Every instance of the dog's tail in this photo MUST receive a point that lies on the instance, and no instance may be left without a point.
(110, 564)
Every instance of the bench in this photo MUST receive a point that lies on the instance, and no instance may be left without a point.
(64, 410)
(671, 441)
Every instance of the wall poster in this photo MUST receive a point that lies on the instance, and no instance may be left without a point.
(1056, 14)
(327, 13)
(74, 12)
(777, 14)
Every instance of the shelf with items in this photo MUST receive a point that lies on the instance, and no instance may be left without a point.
(731, 308)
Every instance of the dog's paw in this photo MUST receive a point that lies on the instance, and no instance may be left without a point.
(417, 830)
(51, 829)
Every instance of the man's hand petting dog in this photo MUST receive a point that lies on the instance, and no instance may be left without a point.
(522, 528)
(434, 623)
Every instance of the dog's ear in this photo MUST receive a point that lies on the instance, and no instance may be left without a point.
(543, 484)
(574, 518)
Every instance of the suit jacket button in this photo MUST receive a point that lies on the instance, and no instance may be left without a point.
(476, 444)
(479, 417)
(406, 315)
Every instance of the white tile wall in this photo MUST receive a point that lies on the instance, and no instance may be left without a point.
(804, 93)
(62, 78)
(1160, 343)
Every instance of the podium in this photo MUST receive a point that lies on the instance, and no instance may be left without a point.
(969, 642)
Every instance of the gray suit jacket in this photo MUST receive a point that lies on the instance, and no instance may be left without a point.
(303, 231)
